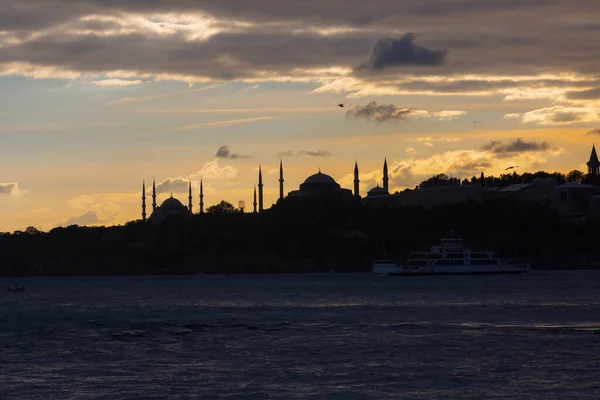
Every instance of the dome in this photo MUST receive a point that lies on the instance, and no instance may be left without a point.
(171, 204)
(377, 191)
(320, 178)
(169, 207)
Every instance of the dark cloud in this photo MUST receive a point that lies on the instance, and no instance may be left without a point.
(565, 116)
(593, 132)
(379, 112)
(393, 52)
(357, 13)
(316, 153)
(224, 152)
(515, 146)
(590, 94)
(279, 38)
(173, 185)
(9, 188)
(466, 165)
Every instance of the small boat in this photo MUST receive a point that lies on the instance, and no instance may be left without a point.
(15, 288)
(451, 257)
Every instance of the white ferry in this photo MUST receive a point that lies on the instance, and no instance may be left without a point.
(450, 257)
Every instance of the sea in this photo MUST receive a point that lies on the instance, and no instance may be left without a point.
(305, 336)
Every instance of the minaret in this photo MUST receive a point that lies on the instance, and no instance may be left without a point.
(260, 190)
(594, 163)
(254, 199)
(385, 176)
(201, 197)
(280, 179)
(153, 195)
(143, 200)
(190, 196)
(356, 180)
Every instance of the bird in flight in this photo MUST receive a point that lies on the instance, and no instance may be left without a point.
(511, 167)
(341, 105)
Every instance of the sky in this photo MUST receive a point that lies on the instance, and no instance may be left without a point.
(97, 96)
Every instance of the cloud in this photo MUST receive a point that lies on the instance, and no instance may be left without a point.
(428, 140)
(410, 172)
(380, 112)
(9, 189)
(391, 112)
(512, 116)
(551, 86)
(219, 123)
(593, 132)
(393, 52)
(222, 41)
(516, 146)
(316, 153)
(141, 99)
(86, 219)
(97, 209)
(212, 171)
(590, 94)
(410, 150)
(224, 152)
(312, 153)
(447, 115)
(178, 185)
(116, 82)
(561, 115)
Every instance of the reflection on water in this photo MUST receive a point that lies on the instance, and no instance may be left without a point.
(326, 336)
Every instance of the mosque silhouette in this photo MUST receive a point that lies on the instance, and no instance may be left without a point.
(318, 184)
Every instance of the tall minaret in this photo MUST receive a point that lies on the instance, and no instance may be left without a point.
(201, 197)
(153, 195)
(385, 176)
(280, 179)
(143, 200)
(254, 199)
(260, 189)
(356, 180)
(190, 196)
(594, 163)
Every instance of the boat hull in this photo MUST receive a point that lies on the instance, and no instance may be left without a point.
(397, 270)
(451, 273)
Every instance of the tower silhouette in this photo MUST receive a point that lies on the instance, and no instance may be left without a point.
(153, 195)
(260, 190)
(201, 197)
(143, 200)
(385, 176)
(356, 180)
(254, 203)
(280, 179)
(190, 196)
(594, 163)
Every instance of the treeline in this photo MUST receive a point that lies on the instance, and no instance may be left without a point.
(321, 234)
(512, 178)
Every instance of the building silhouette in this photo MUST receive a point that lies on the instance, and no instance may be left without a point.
(594, 164)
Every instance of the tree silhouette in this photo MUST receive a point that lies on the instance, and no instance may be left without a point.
(223, 207)
(575, 176)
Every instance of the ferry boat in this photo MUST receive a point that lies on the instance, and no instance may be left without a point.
(451, 257)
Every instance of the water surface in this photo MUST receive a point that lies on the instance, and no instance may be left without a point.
(314, 336)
